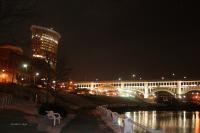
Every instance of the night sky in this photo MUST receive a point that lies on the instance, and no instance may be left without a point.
(108, 39)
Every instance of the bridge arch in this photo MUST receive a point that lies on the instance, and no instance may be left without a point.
(191, 89)
(103, 86)
(169, 90)
(106, 89)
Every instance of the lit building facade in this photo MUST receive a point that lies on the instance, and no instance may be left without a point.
(45, 44)
(11, 61)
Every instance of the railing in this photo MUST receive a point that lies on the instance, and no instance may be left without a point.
(121, 123)
(5, 99)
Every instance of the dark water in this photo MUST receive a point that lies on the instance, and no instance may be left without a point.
(168, 121)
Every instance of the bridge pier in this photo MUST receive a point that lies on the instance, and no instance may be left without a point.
(146, 91)
(178, 91)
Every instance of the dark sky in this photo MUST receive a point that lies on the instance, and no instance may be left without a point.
(107, 39)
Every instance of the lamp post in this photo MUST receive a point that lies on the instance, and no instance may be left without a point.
(173, 75)
(133, 76)
(35, 77)
(25, 66)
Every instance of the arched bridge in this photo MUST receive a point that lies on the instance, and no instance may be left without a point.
(147, 88)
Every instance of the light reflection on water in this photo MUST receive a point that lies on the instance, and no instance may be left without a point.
(168, 121)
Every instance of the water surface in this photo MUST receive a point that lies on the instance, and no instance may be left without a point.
(168, 121)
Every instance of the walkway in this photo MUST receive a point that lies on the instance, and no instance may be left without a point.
(86, 122)
(12, 121)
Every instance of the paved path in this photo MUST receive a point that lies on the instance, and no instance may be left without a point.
(86, 122)
(12, 121)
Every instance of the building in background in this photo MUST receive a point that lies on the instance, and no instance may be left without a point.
(45, 44)
(11, 65)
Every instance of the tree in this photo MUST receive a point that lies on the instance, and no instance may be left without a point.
(63, 70)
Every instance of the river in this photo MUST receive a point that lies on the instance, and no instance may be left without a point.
(168, 121)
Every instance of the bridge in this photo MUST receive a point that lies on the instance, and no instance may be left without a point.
(146, 88)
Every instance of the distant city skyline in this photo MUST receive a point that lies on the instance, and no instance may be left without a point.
(108, 40)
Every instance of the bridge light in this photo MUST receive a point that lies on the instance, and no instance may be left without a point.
(162, 78)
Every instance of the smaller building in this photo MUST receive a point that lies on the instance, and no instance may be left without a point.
(11, 64)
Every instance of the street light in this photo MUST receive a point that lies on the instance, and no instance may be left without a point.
(162, 78)
(25, 65)
(37, 74)
(173, 75)
(133, 75)
(35, 77)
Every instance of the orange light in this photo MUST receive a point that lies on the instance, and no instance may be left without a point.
(3, 75)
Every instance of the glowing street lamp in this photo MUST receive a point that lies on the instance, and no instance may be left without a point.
(173, 75)
(37, 74)
(35, 77)
(25, 65)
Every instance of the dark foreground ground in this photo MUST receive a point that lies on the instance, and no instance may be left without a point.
(86, 122)
(12, 121)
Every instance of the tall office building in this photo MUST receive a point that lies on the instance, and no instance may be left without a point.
(45, 44)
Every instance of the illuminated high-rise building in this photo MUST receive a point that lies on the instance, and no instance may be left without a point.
(45, 44)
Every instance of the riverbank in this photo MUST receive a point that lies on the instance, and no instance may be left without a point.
(157, 107)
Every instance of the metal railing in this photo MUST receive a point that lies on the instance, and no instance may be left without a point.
(123, 123)
(5, 99)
